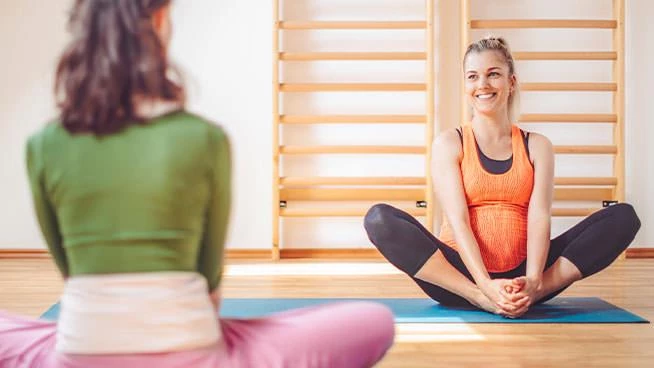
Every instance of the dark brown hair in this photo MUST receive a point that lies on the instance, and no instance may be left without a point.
(114, 57)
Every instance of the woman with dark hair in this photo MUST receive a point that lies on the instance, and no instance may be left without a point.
(133, 194)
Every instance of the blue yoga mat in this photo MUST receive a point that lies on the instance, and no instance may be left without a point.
(558, 310)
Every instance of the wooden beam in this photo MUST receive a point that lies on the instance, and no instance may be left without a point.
(586, 150)
(352, 194)
(352, 87)
(419, 150)
(639, 253)
(583, 194)
(567, 118)
(304, 25)
(573, 212)
(332, 253)
(542, 23)
(564, 55)
(340, 212)
(585, 181)
(315, 56)
(358, 119)
(583, 87)
(371, 180)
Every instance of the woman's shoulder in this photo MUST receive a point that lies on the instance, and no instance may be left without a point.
(50, 130)
(449, 140)
(539, 142)
(189, 124)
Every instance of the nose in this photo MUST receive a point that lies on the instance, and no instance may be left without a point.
(483, 81)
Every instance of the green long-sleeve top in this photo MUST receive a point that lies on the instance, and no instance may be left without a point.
(154, 197)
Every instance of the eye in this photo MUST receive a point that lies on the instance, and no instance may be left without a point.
(472, 76)
(493, 74)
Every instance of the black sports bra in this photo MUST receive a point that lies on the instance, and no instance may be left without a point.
(497, 166)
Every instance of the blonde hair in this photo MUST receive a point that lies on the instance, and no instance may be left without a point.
(499, 45)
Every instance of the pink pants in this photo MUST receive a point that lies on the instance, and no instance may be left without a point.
(355, 334)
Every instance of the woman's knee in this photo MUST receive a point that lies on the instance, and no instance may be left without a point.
(377, 219)
(626, 218)
(378, 321)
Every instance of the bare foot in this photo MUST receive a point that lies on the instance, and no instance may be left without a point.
(482, 302)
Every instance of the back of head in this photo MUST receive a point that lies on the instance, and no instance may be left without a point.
(115, 58)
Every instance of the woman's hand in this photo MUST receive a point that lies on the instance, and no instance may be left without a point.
(527, 286)
(503, 297)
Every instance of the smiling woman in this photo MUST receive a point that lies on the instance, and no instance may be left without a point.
(490, 76)
(495, 184)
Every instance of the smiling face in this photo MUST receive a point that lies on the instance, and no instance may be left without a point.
(488, 82)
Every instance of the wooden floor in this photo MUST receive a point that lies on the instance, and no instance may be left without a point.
(29, 286)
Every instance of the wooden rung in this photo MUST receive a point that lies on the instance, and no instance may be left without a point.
(583, 194)
(597, 149)
(414, 211)
(310, 56)
(568, 118)
(352, 87)
(564, 55)
(361, 252)
(585, 181)
(568, 87)
(573, 212)
(318, 180)
(541, 23)
(348, 194)
(340, 212)
(363, 119)
(352, 149)
(351, 25)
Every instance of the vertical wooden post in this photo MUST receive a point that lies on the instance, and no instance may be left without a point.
(465, 40)
(618, 103)
(618, 98)
(275, 132)
(429, 129)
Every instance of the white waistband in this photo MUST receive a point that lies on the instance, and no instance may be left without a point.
(136, 313)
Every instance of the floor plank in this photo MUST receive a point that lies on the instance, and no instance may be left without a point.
(29, 286)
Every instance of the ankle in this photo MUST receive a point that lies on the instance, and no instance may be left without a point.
(475, 296)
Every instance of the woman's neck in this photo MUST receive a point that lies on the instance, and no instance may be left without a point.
(493, 127)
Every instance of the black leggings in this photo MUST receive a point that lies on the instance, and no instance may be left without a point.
(591, 245)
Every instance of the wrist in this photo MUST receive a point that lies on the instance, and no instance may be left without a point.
(483, 283)
(476, 296)
(536, 279)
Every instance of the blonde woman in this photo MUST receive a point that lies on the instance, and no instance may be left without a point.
(495, 183)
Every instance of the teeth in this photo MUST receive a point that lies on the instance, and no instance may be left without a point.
(485, 96)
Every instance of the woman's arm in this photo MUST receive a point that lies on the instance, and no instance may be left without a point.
(539, 213)
(45, 212)
(448, 184)
(210, 257)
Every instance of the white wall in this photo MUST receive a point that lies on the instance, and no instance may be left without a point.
(224, 50)
(32, 33)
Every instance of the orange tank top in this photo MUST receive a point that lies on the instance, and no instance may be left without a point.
(497, 204)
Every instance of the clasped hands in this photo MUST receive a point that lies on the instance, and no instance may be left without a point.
(510, 298)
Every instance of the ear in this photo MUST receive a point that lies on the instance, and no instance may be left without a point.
(159, 18)
(514, 81)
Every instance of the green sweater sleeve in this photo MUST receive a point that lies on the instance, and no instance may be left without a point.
(45, 213)
(210, 257)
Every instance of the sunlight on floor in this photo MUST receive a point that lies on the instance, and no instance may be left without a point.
(325, 269)
(416, 333)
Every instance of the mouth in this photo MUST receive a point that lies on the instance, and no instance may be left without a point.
(485, 96)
